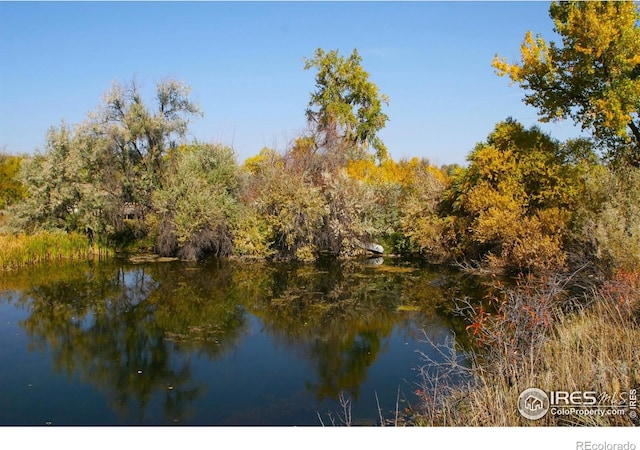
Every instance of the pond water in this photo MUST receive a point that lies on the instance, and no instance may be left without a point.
(220, 342)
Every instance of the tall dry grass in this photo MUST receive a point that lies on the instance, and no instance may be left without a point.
(595, 347)
(24, 250)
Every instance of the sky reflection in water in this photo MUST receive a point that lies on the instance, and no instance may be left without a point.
(218, 343)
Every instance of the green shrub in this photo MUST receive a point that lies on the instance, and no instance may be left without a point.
(197, 205)
(610, 218)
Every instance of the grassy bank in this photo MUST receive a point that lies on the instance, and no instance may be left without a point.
(24, 250)
(592, 348)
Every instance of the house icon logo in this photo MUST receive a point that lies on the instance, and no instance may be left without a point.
(533, 403)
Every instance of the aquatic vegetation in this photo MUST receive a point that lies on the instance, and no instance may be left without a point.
(24, 250)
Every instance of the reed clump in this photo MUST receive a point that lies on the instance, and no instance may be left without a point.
(23, 250)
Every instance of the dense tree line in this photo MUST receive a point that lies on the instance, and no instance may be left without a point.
(127, 176)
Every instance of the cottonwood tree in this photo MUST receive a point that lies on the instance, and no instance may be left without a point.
(345, 110)
(592, 76)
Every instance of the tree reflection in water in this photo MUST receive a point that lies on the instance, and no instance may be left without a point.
(133, 330)
(339, 315)
(99, 322)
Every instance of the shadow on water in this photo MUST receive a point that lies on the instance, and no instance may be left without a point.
(220, 342)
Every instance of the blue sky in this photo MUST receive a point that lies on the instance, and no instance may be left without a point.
(244, 63)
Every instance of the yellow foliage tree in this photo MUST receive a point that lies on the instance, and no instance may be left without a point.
(592, 77)
(512, 206)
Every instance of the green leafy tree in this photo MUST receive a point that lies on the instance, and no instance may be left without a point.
(53, 184)
(346, 107)
(99, 176)
(303, 203)
(592, 76)
(138, 136)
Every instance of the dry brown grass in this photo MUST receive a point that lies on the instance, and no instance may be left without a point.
(595, 348)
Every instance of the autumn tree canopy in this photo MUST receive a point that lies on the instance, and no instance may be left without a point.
(11, 190)
(592, 76)
(346, 106)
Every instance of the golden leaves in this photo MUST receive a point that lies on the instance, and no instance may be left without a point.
(591, 76)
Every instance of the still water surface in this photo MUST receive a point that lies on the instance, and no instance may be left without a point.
(219, 343)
